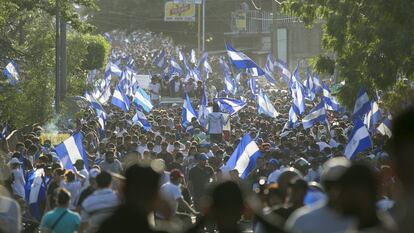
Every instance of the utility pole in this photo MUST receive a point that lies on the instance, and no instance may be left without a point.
(198, 28)
(63, 59)
(57, 65)
(203, 37)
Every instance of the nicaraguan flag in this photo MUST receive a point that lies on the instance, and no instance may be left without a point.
(94, 103)
(362, 104)
(318, 84)
(359, 140)
(270, 66)
(114, 69)
(120, 100)
(175, 68)
(11, 71)
(224, 67)
(293, 118)
(264, 106)
(244, 157)
(142, 99)
(252, 87)
(310, 86)
(229, 105)
(188, 112)
(385, 127)
(228, 85)
(193, 58)
(316, 114)
(71, 150)
(140, 119)
(35, 189)
(204, 62)
(283, 70)
(331, 103)
(298, 99)
(159, 60)
(373, 116)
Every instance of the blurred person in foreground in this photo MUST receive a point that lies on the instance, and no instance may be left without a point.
(358, 198)
(325, 216)
(141, 195)
(402, 147)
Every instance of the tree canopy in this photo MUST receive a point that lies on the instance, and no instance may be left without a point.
(372, 42)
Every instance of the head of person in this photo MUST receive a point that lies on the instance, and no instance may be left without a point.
(110, 156)
(296, 191)
(57, 174)
(103, 180)
(164, 145)
(141, 188)
(202, 160)
(227, 205)
(359, 187)
(63, 198)
(176, 177)
(216, 107)
(69, 176)
(402, 145)
(332, 171)
(79, 164)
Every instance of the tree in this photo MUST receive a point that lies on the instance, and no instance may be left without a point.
(27, 36)
(372, 41)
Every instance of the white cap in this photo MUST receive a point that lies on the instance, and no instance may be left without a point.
(334, 168)
(14, 161)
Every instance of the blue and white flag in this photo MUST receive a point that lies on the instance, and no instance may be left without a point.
(244, 157)
(188, 112)
(270, 64)
(94, 103)
(325, 90)
(228, 85)
(229, 105)
(91, 76)
(310, 87)
(11, 71)
(204, 63)
(142, 99)
(298, 99)
(120, 100)
(193, 58)
(140, 119)
(71, 150)
(253, 87)
(283, 70)
(359, 140)
(373, 116)
(316, 114)
(224, 67)
(331, 103)
(265, 106)
(362, 104)
(159, 60)
(4, 132)
(175, 68)
(385, 127)
(114, 69)
(293, 118)
(35, 192)
(107, 36)
(317, 83)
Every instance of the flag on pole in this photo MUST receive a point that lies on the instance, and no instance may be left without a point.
(316, 114)
(244, 157)
(293, 118)
(385, 127)
(159, 60)
(283, 70)
(11, 71)
(362, 104)
(224, 67)
(193, 58)
(140, 119)
(175, 68)
(35, 192)
(120, 100)
(228, 85)
(142, 99)
(188, 112)
(230, 105)
(71, 150)
(265, 106)
(359, 140)
(373, 116)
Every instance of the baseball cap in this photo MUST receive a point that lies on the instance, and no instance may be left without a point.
(14, 161)
(175, 173)
(203, 157)
(334, 168)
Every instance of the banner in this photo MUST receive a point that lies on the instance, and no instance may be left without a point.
(175, 12)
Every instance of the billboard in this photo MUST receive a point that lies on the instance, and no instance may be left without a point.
(179, 12)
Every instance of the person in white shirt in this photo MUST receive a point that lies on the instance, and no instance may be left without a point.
(100, 204)
(80, 167)
(18, 181)
(171, 191)
(154, 88)
(73, 186)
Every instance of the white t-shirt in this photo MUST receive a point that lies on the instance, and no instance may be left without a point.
(171, 193)
(18, 183)
(155, 90)
(74, 189)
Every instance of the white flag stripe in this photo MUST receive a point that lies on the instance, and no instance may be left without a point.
(244, 158)
(72, 149)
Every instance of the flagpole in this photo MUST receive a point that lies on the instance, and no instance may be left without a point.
(203, 37)
(57, 65)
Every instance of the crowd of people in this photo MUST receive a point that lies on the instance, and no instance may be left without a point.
(172, 178)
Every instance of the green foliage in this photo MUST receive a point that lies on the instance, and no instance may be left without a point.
(27, 35)
(373, 40)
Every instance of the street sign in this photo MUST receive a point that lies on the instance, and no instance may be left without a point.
(179, 12)
(189, 1)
